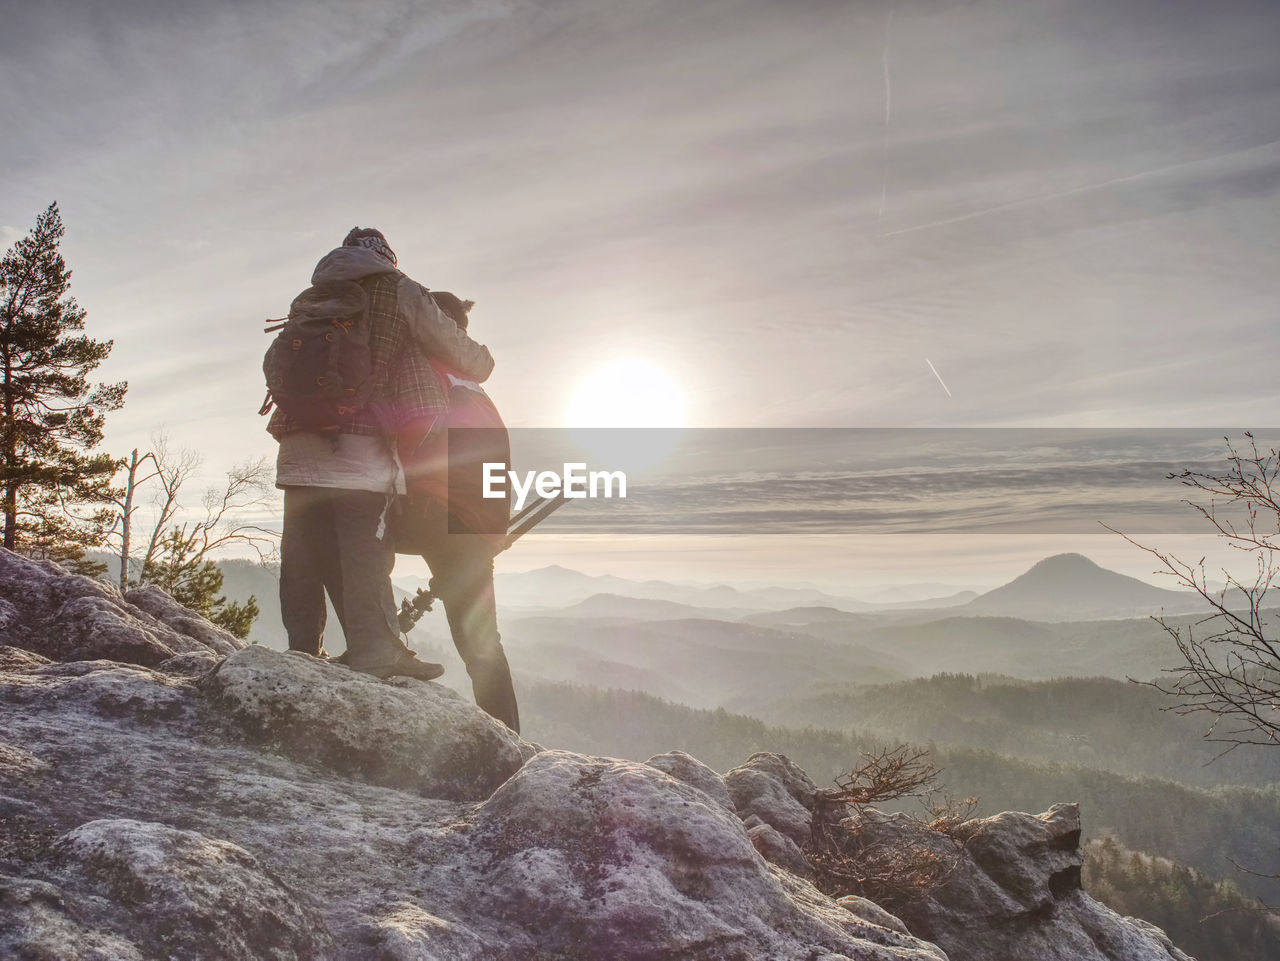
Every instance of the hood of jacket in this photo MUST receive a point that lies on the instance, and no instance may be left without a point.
(350, 263)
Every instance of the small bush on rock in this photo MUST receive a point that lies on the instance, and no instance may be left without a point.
(845, 858)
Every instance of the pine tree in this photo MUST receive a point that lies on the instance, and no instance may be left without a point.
(182, 570)
(51, 481)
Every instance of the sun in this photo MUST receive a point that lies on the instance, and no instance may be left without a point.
(628, 393)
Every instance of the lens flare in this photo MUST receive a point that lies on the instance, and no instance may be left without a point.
(628, 393)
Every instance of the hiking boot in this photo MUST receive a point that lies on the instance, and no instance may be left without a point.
(404, 664)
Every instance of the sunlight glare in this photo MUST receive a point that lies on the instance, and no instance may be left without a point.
(628, 393)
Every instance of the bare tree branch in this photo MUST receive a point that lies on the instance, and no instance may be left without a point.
(1229, 666)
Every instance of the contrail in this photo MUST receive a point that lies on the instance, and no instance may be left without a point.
(1058, 194)
(937, 375)
(888, 115)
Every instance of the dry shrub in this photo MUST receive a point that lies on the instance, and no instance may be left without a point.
(893, 869)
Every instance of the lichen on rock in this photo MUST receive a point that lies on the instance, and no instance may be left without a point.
(202, 898)
(396, 734)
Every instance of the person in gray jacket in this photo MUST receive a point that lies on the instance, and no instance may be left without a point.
(339, 487)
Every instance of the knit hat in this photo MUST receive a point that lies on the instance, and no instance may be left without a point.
(373, 239)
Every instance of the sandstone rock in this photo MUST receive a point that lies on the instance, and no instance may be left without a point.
(1036, 860)
(39, 924)
(406, 734)
(404, 931)
(871, 912)
(1015, 893)
(169, 612)
(1151, 931)
(787, 772)
(684, 767)
(772, 788)
(68, 617)
(16, 763)
(190, 664)
(99, 687)
(779, 850)
(16, 659)
(572, 858)
(179, 893)
(611, 859)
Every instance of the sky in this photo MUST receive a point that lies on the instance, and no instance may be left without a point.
(906, 213)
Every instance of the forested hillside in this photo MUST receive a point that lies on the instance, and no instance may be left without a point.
(1091, 722)
(1211, 920)
(1199, 827)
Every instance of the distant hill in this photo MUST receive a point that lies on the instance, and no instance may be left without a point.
(920, 593)
(555, 586)
(976, 644)
(1113, 647)
(801, 616)
(637, 609)
(697, 661)
(943, 602)
(1070, 587)
(932, 603)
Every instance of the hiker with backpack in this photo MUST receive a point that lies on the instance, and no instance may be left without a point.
(348, 371)
(447, 520)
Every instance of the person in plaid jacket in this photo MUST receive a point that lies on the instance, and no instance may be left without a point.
(456, 529)
(339, 488)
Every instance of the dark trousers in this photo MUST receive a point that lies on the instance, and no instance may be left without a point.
(462, 577)
(330, 543)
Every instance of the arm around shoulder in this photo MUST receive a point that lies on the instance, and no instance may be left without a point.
(435, 332)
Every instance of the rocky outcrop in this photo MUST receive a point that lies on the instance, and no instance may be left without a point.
(165, 793)
(1015, 892)
(384, 733)
(40, 922)
(771, 789)
(684, 767)
(221, 902)
(68, 617)
(161, 799)
(632, 864)
(157, 815)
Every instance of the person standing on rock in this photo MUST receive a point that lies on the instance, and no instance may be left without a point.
(458, 529)
(348, 371)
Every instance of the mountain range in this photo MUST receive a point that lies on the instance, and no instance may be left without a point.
(1054, 615)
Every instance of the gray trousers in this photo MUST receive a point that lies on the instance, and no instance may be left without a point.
(462, 577)
(330, 543)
